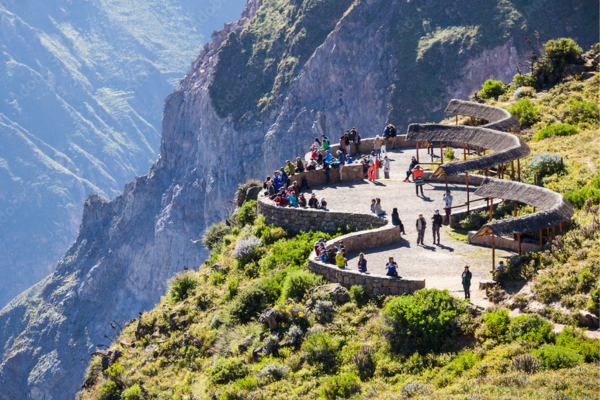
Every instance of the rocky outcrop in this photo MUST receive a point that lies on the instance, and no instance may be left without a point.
(129, 247)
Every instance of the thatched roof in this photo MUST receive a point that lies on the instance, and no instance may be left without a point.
(506, 147)
(554, 208)
(498, 118)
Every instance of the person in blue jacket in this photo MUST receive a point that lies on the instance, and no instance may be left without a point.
(328, 157)
(392, 268)
(291, 197)
(277, 181)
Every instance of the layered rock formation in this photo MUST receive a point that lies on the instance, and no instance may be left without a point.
(375, 62)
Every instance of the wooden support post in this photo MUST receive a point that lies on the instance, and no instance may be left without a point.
(471, 121)
(515, 209)
(519, 170)
(442, 152)
(446, 177)
(493, 257)
(512, 170)
(417, 151)
(519, 242)
(486, 170)
(491, 208)
(456, 115)
(464, 152)
(467, 180)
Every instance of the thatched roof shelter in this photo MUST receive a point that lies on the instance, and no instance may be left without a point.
(498, 118)
(554, 208)
(506, 147)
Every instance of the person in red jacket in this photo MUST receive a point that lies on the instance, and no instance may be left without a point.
(280, 200)
(419, 182)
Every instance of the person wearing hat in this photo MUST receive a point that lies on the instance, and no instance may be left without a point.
(466, 281)
(419, 182)
(301, 200)
(413, 164)
(317, 245)
(313, 202)
(436, 223)
(421, 225)
(323, 202)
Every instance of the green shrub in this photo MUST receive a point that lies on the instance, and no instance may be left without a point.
(475, 220)
(574, 340)
(413, 389)
(293, 252)
(271, 234)
(462, 363)
(297, 283)
(109, 391)
(324, 311)
(357, 293)
(232, 287)
(247, 250)
(364, 361)
(530, 327)
(182, 286)
(273, 372)
(495, 325)
(227, 370)
(579, 197)
(492, 88)
(214, 235)
(526, 111)
(321, 348)
(556, 130)
(216, 278)
(133, 393)
(563, 51)
(593, 304)
(525, 363)
(248, 304)
(427, 321)
(557, 357)
(525, 91)
(247, 213)
(340, 386)
(525, 80)
(545, 164)
(581, 112)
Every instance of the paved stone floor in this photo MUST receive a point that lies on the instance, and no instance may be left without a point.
(441, 265)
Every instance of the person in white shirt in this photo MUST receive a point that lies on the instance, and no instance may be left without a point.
(447, 205)
(386, 168)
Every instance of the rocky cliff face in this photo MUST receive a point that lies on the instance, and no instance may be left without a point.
(379, 62)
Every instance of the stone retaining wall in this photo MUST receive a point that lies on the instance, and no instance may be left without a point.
(350, 173)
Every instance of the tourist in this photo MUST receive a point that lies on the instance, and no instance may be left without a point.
(299, 165)
(419, 182)
(386, 168)
(384, 141)
(312, 165)
(342, 160)
(331, 253)
(323, 255)
(413, 164)
(362, 263)
(373, 161)
(327, 170)
(314, 153)
(317, 245)
(342, 247)
(500, 267)
(325, 143)
(277, 181)
(328, 157)
(447, 205)
(320, 159)
(396, 220)
(301, 200)
(290, 169)
(347, 144)
(291, 198)
(313, 202)
(295, 188)
(357, 139)
(317, 144)
(285, 179)
(421, 225)
(271, 190)
(466, 282)
(373, 204)
(340, 260)
(436, 224)
(393, 134)
(377, 146)
(342, 145)
(392, 268)
(323, 203)
(378, 210)
(266, 183)
(280, 200)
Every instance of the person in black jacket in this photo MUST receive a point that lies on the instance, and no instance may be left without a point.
(413, 164)
(271, 190)
(421, 225)
(466, 282)
(313, 202)
(437, 221)
(396, 220)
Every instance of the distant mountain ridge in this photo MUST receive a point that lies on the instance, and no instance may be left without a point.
(82, 85)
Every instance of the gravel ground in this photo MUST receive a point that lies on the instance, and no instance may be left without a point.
(441, 265)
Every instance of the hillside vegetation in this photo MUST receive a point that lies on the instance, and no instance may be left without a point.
(253, 323)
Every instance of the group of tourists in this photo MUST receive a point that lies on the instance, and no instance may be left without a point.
(283, 192)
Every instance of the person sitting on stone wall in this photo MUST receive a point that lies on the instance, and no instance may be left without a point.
(280, 200)
(317, 245)
(285, 179)
(323, 203)
(317, 144)
(291, 198)
(378, 210)
(299, 165)
(362, 263)
(313, 202)
(312, 165)
(301, 200)
(266, 182)
(277, 181)
(313, 153)
(413, 164)
(373, 204)
(295, 188)
(271, 190)
(396, 220)
(331, 253)
(290, 169)
(323, 255)
(340, 259)
(392, 268)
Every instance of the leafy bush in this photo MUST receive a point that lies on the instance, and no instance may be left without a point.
(530, 327)
(526, 111)
(492, 88)
(579, 197)
(216, 322)
(324, 311)
(557, 357)
(357, 293)
(273, 372)
(449, 153)
(133, 393)
(495, 325)
(295, 334)
(525, 363)
(214, 235)
(320, 348)
(182, 286)
(216, 278)
(364, 361)
(427, 321)
(248, 304)
(413, 389)
(593, 304)
(575, 340)
(525, 81)
(563, 51)
(475, 220)
(109, 391)
(556, 130)
(297, 283)
(232, 288)
(340, 386)
(525, 91)
(247, 213)
(227, 370)
(462, 363)
(245, 250)
(293, 252)
(271, 345)
(545, 164)
(272, 234)
(580, 112)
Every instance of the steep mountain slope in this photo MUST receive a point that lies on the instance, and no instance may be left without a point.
(352, 73)
(81, 89)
